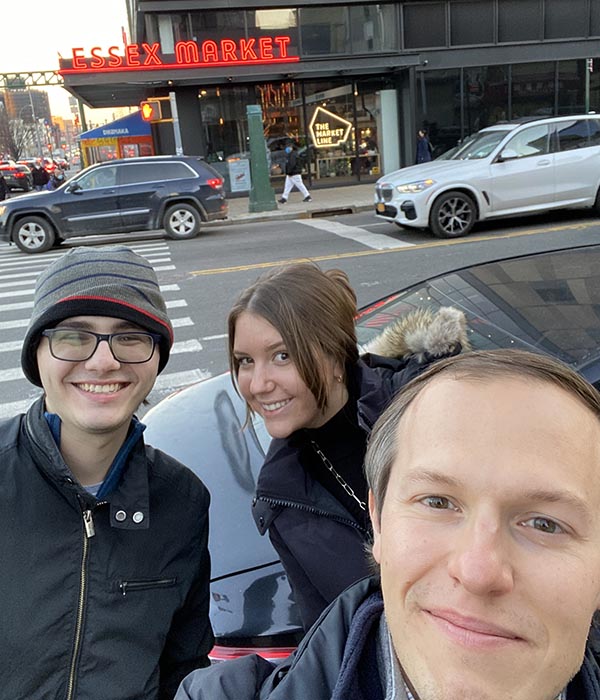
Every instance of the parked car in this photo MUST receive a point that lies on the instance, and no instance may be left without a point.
(511, 168)
(17, 176)
(545, 302)
(177, 193)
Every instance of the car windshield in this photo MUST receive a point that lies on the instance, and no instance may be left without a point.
(478, 145)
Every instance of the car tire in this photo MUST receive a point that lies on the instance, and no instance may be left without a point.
(32, 234)
(452, 215)
(597, 203)
(182, 221)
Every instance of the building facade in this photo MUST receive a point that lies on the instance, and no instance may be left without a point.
(351, 83)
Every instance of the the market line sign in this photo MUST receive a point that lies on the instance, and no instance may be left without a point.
(187, 54)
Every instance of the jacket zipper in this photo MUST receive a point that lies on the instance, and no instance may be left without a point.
(141, 585)
(89, 532)
(314, 511)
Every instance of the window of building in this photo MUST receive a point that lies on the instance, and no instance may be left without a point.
(271, 23)
(218, 25)
(564, 20)
(595, 18)
(324, 31)
(373, 28)
(485, 91)
(533, 89)
(519, 20)
(471, 22)
(439, 108)
(571, 87)
(424, 25)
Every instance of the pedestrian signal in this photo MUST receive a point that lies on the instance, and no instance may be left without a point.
(150, 110)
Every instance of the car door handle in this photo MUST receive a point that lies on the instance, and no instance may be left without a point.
(543, 162)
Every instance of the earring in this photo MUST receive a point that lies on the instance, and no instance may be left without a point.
(338, 378)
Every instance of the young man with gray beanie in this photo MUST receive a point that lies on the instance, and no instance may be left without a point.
(104, 566)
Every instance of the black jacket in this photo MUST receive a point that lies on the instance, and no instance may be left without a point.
(292, 164)
(336, 660)
(3, 187)
(321, 545)
(120, 612)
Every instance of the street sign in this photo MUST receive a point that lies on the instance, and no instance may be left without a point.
(17, 83)
(151, 110)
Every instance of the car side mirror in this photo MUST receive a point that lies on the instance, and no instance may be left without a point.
(507, 154)
(74, 187)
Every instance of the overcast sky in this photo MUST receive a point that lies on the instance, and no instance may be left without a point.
(36, 31)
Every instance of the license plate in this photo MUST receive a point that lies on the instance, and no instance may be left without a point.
(380, 207)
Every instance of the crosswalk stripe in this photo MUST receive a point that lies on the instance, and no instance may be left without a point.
(15, 292)
(15, 323)
(176, 303)
(9, 375)
(176, 380)
(181, 346)
(13, 408)
(20, 275)
(372, 240)
(179, 322)
(11, 346)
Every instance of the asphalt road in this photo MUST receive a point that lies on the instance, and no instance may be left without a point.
(202, 277)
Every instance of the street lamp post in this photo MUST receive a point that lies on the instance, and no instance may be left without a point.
(35, 125)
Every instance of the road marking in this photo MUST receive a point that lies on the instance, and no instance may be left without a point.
(15, 292)
(179, 322)
(170, 288)
(12, 374)
(13, 408)
(214, 337)
(11, 346)
(19, 306)
(418, 246)
(16, 323)
(376, 241)
(176, 303)
(193, 345)
(20, 275)
(176, 380)
(163, 268)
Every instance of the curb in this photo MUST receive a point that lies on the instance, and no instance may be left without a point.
(281, 215)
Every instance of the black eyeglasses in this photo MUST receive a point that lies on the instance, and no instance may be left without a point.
(72, 345)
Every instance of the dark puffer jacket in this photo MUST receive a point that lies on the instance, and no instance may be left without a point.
(337, 660)
(321, 545)
(92, 605)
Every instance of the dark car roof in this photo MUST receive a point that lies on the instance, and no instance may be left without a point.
(544, 302)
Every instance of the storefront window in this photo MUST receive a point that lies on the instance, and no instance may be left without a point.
(485, 96)
(471, 22)
(424, 25)
(533, 89)
(595, 23)
(519, 20)
(595, 86)
(571, 81)
(324, 31)
(566, 19)
(439, 111)
(373, 28)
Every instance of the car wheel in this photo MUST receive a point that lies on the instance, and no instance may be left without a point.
(32, 234)
(182, 221)
(597, 203)
(452, 215)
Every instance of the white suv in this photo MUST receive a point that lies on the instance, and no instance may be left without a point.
(509, 169)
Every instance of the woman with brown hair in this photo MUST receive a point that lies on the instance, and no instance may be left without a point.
(294, 359)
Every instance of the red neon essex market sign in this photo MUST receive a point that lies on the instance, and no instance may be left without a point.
(188, 54)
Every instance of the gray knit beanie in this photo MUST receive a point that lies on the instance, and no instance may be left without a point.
(112, 281)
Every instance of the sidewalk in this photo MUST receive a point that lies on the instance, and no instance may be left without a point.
(325, 202)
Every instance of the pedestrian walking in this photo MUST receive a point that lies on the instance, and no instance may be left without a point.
(103, 540)
(424, 147)
(3, 188)
(293, 176)
(40, 176)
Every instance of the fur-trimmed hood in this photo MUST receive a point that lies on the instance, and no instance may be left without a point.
(423, 333)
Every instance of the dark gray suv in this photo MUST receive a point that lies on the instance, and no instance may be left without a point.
(175, 193)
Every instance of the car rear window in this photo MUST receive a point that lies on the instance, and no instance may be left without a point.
(136, 173)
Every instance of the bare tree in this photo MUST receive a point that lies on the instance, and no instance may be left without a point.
(15, 136)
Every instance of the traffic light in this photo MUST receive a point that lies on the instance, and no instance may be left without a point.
(150, 110)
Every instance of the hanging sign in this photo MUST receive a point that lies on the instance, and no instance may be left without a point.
(327, 129)
(187, 54)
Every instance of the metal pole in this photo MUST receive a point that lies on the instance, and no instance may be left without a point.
(589, 67)
(176, 129)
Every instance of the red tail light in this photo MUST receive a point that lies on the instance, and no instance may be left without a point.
(215, 182)
(274, 654)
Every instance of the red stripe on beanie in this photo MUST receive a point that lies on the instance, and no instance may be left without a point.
(120, 302)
